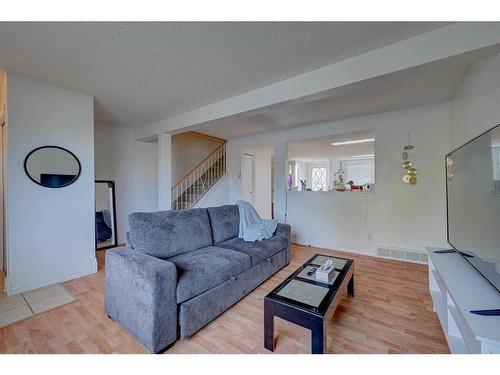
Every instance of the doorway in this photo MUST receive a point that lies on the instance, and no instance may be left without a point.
(105, 215)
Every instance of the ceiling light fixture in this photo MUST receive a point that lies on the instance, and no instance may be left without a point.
(368, 156)
(353, 142)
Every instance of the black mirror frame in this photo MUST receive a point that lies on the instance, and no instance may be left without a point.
(60, 148)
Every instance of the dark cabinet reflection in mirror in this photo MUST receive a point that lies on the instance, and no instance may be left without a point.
(105, 214)
(52, 166)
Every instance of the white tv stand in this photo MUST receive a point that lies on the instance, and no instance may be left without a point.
(457, 288)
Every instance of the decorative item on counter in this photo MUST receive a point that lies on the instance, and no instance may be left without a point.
(410, 176)
(290, 181)
(339, 179)
(303, 185)
(353, 187)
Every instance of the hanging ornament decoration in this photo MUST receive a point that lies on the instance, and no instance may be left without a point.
(449, 168)
(410, 175)
(407, 164)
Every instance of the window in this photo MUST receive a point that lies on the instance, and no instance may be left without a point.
(495, 151)
(361, 171)
(318, 177)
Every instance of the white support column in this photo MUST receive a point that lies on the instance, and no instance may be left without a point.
(164, 171)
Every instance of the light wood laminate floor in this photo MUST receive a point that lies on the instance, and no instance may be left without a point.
(391, 313)
(2, 284)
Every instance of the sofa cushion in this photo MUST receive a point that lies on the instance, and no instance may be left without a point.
(225, 222)
(201, 270)
(258, 250)
(165, 234)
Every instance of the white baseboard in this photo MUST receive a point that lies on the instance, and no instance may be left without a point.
(340, 248)
(12, 290)
(360, 252)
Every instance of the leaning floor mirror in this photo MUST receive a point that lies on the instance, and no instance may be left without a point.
(105, 215)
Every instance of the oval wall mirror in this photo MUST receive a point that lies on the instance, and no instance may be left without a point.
(52, 166)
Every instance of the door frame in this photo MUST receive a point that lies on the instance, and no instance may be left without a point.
(3, 251)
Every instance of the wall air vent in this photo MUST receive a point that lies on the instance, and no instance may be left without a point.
(408, 255)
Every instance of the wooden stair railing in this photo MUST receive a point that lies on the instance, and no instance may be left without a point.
(199, 180)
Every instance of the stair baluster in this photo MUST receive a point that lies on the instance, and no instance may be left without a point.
(199, 180)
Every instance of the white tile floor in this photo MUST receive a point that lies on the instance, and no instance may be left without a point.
(22, 306)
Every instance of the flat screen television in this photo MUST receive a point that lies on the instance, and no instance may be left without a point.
(473, 203)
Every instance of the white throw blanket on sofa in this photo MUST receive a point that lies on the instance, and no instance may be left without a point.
(252, 227)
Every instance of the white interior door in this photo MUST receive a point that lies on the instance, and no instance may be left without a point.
(263, 188)
(247, 178)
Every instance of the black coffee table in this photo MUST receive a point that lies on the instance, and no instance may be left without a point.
(303, 300)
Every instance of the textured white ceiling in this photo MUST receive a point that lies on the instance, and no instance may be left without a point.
(140, 73)
(425, 84)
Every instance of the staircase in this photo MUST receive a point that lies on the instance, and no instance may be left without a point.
(199, 180)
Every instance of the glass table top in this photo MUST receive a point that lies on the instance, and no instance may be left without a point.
(307, 293)
(303, 289)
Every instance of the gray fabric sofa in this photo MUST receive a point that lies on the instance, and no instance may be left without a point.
(182, 269)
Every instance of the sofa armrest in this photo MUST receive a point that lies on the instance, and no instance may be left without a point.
(140, 296)
(284, 230)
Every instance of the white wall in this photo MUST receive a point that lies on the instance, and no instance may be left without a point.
(397, 215)
(263, 185)
(475, 106)
(217, 195)
(50, 231)
(133, 165)
(187, 152)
